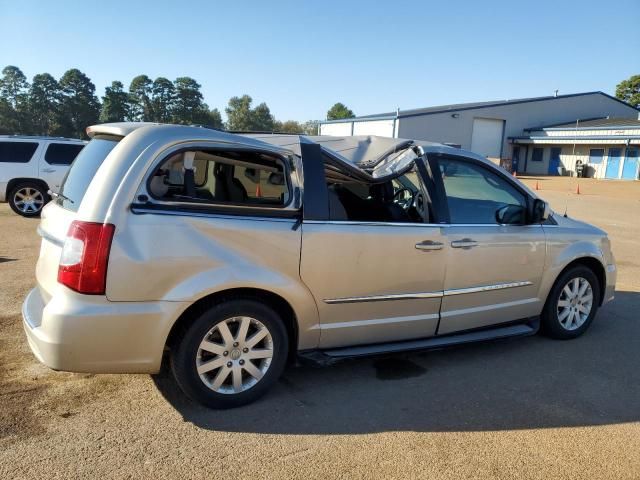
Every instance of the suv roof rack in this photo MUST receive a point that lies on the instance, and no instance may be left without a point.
(42, 137)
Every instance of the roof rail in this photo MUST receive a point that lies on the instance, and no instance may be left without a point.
(42, 137)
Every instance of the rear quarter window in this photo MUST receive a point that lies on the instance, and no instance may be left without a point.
(17, 152)
(83, 169)
(62, 153)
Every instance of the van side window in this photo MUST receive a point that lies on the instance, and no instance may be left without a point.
(475, 193)
(17, 152)
(207, 176)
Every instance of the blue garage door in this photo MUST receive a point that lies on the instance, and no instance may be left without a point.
(630, 165)
(613, 163)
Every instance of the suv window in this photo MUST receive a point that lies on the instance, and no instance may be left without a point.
(17, 152)
(79, 176)
(474, 193)
(250, 178)
(62, 153)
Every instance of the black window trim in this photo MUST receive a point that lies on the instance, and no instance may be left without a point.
(32, 157)
(439, 191)
(53, 142)
(220, 208)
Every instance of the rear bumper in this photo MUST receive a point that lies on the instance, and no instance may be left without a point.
(610, 288)
(84, 333)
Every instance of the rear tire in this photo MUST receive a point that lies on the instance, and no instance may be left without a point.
(217, 361)
(572, 304)
(28, 198)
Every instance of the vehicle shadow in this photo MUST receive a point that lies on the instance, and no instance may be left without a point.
(526, 383)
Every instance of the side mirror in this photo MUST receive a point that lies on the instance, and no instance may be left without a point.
(510, 215)
(541, 210)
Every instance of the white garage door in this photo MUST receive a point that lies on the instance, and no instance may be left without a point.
(486, 138)
(383, 128)
(339, 129)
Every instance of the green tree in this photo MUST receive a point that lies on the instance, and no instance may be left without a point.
(239, 113)
(7, 120)
(163, 93)
(80, 106)
(629, 91)
(14, 90)
(339, 111)
(45, 105)
(115, 104)
(310, 127)
(188, 105)
(241, 117)
(289, 126)
(215, 119)
(262, 120)
(140, 92)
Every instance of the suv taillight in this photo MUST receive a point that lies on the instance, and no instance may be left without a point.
(83, 263)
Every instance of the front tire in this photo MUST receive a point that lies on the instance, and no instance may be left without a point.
(28, 199)
(231, 354)
(572, 304)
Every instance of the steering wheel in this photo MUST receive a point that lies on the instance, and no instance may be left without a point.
(401, 198)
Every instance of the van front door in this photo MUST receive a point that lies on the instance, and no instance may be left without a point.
(493, 269)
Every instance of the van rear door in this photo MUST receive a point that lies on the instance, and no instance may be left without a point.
(57, 215)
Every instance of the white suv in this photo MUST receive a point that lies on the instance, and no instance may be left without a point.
(30, 167)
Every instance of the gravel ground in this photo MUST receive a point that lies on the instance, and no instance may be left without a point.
(527, 408)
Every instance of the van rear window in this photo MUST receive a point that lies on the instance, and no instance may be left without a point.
(82, 171)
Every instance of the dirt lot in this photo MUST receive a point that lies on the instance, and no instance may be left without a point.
(528, 408)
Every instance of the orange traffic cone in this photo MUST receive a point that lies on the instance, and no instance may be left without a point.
(537, 186)
(578, 190)
(258, 191)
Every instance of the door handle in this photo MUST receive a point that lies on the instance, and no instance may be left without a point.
(48, 170)
(429, 245)
(465, 243)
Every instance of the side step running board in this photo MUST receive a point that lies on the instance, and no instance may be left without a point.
(334, 355)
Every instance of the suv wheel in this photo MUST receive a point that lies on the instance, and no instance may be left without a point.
(27, 199)
(231, 354)
(572, 304)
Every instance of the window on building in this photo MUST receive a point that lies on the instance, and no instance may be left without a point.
(595, 155)
(536, 155)
(17, 152)
(62, 153)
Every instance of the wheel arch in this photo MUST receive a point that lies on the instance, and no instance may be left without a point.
(16, 181)
(275, 301)
(595, 266)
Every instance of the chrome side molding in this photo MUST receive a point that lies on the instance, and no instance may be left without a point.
(418, 295)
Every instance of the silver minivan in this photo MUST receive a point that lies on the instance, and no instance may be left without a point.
(234, 254)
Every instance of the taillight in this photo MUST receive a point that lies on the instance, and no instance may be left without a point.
(83, 263)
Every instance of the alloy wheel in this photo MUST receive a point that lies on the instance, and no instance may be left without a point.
(575, 303)
(234, 355)
(28, 200)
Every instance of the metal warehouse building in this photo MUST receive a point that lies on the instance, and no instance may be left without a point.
(510, 131)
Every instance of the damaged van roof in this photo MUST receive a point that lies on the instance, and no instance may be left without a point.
(364, 156)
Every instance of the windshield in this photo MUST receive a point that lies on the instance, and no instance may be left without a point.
(82, 171)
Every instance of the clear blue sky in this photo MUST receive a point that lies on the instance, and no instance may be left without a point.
(302, 56)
